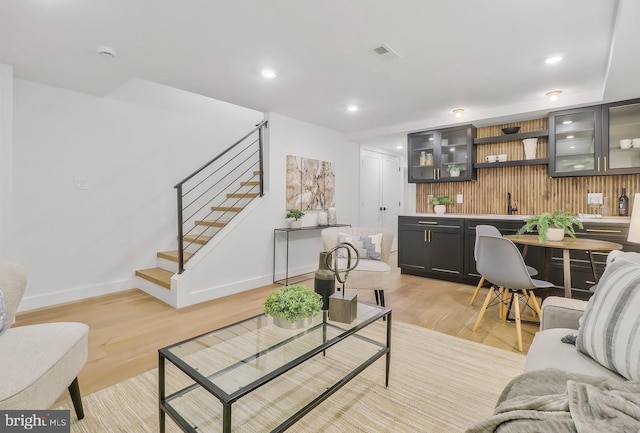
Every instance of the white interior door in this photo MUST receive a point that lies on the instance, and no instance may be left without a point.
(370, 189)
(380, 191)
(391, 194)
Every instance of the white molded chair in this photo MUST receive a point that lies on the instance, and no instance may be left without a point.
(370, 274)
(487, 230)
(501, 263)
(37, 362)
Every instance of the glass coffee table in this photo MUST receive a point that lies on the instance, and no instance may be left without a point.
(272, 376)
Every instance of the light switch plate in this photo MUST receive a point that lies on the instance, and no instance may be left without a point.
(80, 183)
(459, 198)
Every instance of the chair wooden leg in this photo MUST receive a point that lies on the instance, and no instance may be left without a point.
(536, 306)
(76, 398)
(475, 294)
(506, 304)
(518, 324)
(483, 309)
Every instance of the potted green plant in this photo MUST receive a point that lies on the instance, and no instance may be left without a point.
(293, 306)
(552, 225)
(296, 214)
(440, 202)
(453, 170)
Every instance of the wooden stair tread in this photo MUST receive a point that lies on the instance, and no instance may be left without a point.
(197, 239)
(159, 276)
(241, 195)
(173, 255)
(211, 223)
(226, 208)
(250, 183)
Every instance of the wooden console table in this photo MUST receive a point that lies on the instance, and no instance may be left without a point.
(287, 231)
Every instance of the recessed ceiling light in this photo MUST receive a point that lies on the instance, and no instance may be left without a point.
(554, 59)
(458, 112)
(269, 73)
(352, 107)
(567, 122)
(399, 147)
(569, 136)
(430, 138)
(554, 94)
(572, 147)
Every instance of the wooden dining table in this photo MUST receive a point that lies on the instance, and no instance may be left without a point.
(566, 245)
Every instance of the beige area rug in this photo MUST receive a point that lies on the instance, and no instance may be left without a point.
(438, 383)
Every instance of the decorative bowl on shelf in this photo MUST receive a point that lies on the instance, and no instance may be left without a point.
(511, 129)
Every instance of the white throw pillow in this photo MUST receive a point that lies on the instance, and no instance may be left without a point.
(369, 247)
(610, 327)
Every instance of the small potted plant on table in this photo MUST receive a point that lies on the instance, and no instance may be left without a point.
(293, 307)
(296, 214)
(439, 204)
(552, 225)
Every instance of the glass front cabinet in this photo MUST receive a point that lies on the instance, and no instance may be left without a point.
(443, 155)
(598, 140)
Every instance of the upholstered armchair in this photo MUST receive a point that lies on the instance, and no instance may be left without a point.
(373, 271)
(37, 362)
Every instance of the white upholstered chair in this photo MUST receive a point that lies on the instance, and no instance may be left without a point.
(37, 362)
(369, 274)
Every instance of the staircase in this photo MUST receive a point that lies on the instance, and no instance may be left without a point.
(208, 200)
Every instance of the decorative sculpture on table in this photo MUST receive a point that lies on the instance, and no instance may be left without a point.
(324, 282)
(343, 307)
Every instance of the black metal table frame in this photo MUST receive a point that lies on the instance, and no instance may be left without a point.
(288, 230)
(227, 400)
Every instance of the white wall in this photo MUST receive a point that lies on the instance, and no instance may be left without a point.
(6, 156)
(243, 259)
(130, 149)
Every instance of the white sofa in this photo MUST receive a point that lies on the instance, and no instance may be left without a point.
(561, 317)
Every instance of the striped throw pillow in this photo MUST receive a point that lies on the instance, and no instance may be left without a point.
(610, 327)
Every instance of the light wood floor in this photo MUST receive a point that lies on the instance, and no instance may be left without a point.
(127, 328)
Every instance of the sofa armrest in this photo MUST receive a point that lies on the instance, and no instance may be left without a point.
(560, 312)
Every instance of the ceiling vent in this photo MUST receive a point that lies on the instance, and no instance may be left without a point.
(385, 53)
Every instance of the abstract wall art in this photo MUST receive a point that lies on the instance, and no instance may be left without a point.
(310, 183)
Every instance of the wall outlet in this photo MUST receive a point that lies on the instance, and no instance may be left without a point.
(429, 198)
(594, 197)
(459, 199)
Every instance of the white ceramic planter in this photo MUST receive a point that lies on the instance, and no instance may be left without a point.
(554, 234)
(300, 323)
(295, 224)
(439, 208)
(454, 173)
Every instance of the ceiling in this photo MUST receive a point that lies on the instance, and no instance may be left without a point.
(486, 56)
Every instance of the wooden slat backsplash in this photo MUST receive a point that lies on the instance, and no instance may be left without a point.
(530, 186)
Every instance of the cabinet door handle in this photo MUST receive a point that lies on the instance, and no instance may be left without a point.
(602, 231)
(598, 165)
(598, 253)
(590, 282)
(425, 235)
(433, 223)
(429, 236)
(605, 164)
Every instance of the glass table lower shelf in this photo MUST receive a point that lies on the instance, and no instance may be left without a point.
(272, 377)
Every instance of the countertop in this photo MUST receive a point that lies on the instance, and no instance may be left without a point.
(583, 218)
